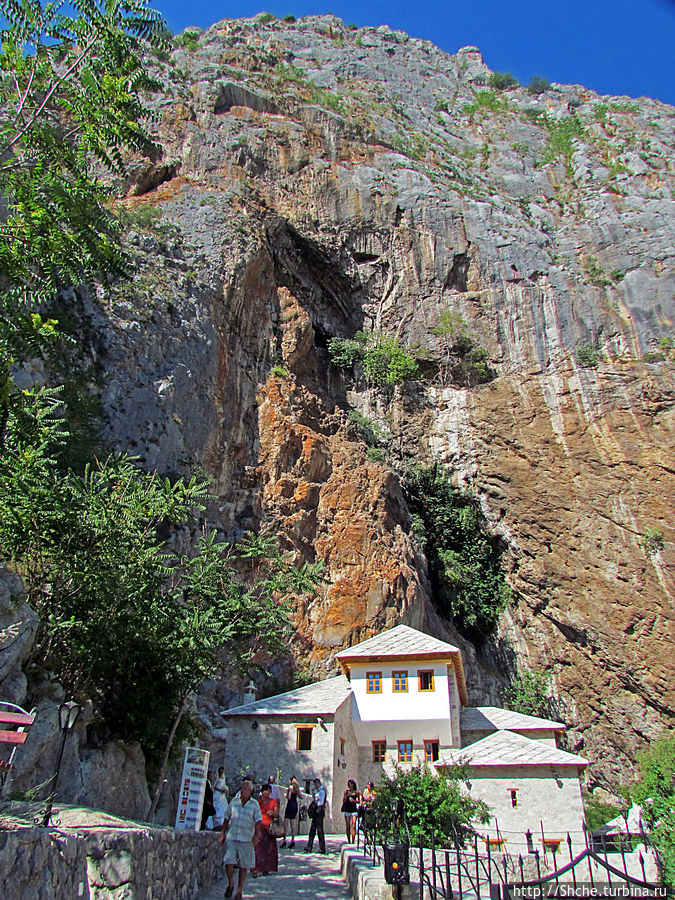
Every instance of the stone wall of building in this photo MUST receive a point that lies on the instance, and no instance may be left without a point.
(271, 747)
(105, 864)
(543, 793)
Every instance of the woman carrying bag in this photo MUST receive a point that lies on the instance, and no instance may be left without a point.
(266, 852)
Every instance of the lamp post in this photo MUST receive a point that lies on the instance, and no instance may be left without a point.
(68, 716)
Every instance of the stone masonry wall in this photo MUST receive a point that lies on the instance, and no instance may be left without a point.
(148, 864)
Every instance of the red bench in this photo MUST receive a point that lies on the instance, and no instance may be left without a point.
(18, 736)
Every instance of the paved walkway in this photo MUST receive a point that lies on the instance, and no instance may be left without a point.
(301, 876)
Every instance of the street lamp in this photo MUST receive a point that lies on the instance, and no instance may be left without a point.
(68, 715)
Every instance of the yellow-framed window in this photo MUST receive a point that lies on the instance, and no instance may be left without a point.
(405, 750)
(425, 679)
(431, 749)
(379, 751)
(399, 681)
(303, 738)
(373, 682)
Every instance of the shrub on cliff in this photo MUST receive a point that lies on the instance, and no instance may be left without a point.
(502, 81)
(464, 558)
(382, 360)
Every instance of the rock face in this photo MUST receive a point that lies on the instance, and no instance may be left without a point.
(317, 180)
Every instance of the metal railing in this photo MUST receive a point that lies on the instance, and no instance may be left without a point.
(461, 868)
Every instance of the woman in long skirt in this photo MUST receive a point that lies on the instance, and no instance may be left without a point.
(266, 852)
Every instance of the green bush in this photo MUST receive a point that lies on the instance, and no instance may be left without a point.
(538, 85)
(289, 19)
(561, 134)
(653, 541)
(434, 805)
(280, 371)
(593, 272)
(189, 40)
(383, 360)
(528, 693)
(487, 101)
(598, 812)
(375, 454)
(587, 356)
(371, 432)
(265, 18)
(502, 81)
(655, 792)
(464, 558)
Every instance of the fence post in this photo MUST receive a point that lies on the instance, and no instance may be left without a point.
(520, 864)
(536, 856)
(448, 879)
(421, 867)
(459, 871)
(475, 850)
(604, 850)
(569, 847)
(433, 859)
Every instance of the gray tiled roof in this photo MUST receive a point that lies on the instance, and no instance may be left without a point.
(493, 718)
(320, 698)
(505, 748)
(400, 641)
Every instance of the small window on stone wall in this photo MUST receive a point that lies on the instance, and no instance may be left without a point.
(379, 751)
(304, 741)
(514, 797)
(343, 744)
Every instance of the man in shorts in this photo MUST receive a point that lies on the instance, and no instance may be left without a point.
(242, 825)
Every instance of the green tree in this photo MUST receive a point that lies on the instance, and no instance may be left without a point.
(433, 804)
(124, 618)
(464, 558)
(655, 792)
(70, 108)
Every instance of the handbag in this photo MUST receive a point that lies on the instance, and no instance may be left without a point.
(311, 809)
(276, 828)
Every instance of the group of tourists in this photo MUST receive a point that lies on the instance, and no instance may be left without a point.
(251, 826)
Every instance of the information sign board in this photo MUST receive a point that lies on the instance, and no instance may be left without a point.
(192, 789)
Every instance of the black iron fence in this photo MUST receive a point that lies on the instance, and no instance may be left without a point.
(469, 866)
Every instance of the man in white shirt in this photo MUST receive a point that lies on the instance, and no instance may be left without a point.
(242, 825)
(275, 792)
(316, 827)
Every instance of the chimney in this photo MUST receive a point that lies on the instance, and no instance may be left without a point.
(249, 693)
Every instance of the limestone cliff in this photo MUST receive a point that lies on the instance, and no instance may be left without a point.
(316, 180)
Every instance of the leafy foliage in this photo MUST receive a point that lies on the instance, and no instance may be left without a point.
(587, 356)
(69, 99)
(464, 559)
(125, 618)
(502, 81)
(529, 693)
(593, 272)
(561, 134)
(655, 792)
(382, 360)
(433, 805)
(485, 102)
(538, 85)
(597, 812)
(466, 362)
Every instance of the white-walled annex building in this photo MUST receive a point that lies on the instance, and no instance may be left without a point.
(401, 700)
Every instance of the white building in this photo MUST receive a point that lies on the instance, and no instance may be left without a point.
(402, 700)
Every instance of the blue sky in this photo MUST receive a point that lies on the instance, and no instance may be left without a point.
(611, 46)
